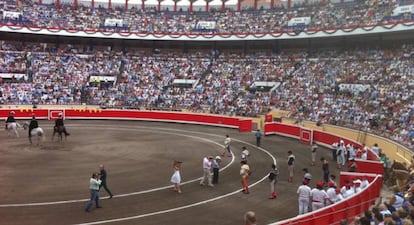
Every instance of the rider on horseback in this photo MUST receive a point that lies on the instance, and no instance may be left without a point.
(33, 124)
(10, 119)
(59, 123)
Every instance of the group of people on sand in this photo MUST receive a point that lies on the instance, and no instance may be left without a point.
(96, 182)
(211, 168)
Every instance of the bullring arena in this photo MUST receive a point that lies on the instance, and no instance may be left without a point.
(48, 184)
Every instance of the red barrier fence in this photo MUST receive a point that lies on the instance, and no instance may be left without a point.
(347, 209)
(369, 166)
(243, 124)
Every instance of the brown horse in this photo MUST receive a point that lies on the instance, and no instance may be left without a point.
(399, 174)
(399, 166)
(60, 130)
(400, 177)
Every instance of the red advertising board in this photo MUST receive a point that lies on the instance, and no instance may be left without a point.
(53, 114)
(306, 135)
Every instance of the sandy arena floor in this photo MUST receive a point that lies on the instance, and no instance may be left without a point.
(48, 184)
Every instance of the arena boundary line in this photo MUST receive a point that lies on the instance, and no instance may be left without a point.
(172, 209)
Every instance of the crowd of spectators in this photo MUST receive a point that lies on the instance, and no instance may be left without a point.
(396, 208)
(381, 215)
(367, 89)
(323, 14)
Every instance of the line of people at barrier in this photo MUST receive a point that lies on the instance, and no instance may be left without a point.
(323, 195)
(324, 15)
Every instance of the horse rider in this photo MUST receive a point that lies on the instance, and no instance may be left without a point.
(33, 124)
(10, 119)
(59, 123)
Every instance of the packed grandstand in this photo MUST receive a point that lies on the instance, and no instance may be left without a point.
(327, 85)
(279, 17)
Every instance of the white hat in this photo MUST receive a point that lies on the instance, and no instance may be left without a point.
(218, 158)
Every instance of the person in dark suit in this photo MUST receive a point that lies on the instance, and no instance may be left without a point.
(59, 123)
(258, 135)
(33, 124)
(103, 179)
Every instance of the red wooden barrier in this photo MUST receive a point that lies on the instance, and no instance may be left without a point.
(346, 209)
(244, 125)
(282, 129)
(268, 118)
(368, 166)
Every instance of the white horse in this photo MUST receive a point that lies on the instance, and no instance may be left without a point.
(37, 133)
(12, 129)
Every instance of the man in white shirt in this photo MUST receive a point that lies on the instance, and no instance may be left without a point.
(348, 191)
(331, 193)
(318, 196)
(364, 182)
(352, 151)
(357, 186)
(94, 184)
(245, 153)
(207, 179)
(227, 147)
(341, 154)
(314, 148)
(303, 197)
(375, 148)
(364, 155)
(339, 196)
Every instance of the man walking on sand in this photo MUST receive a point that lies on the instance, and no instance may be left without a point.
(103, 184)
